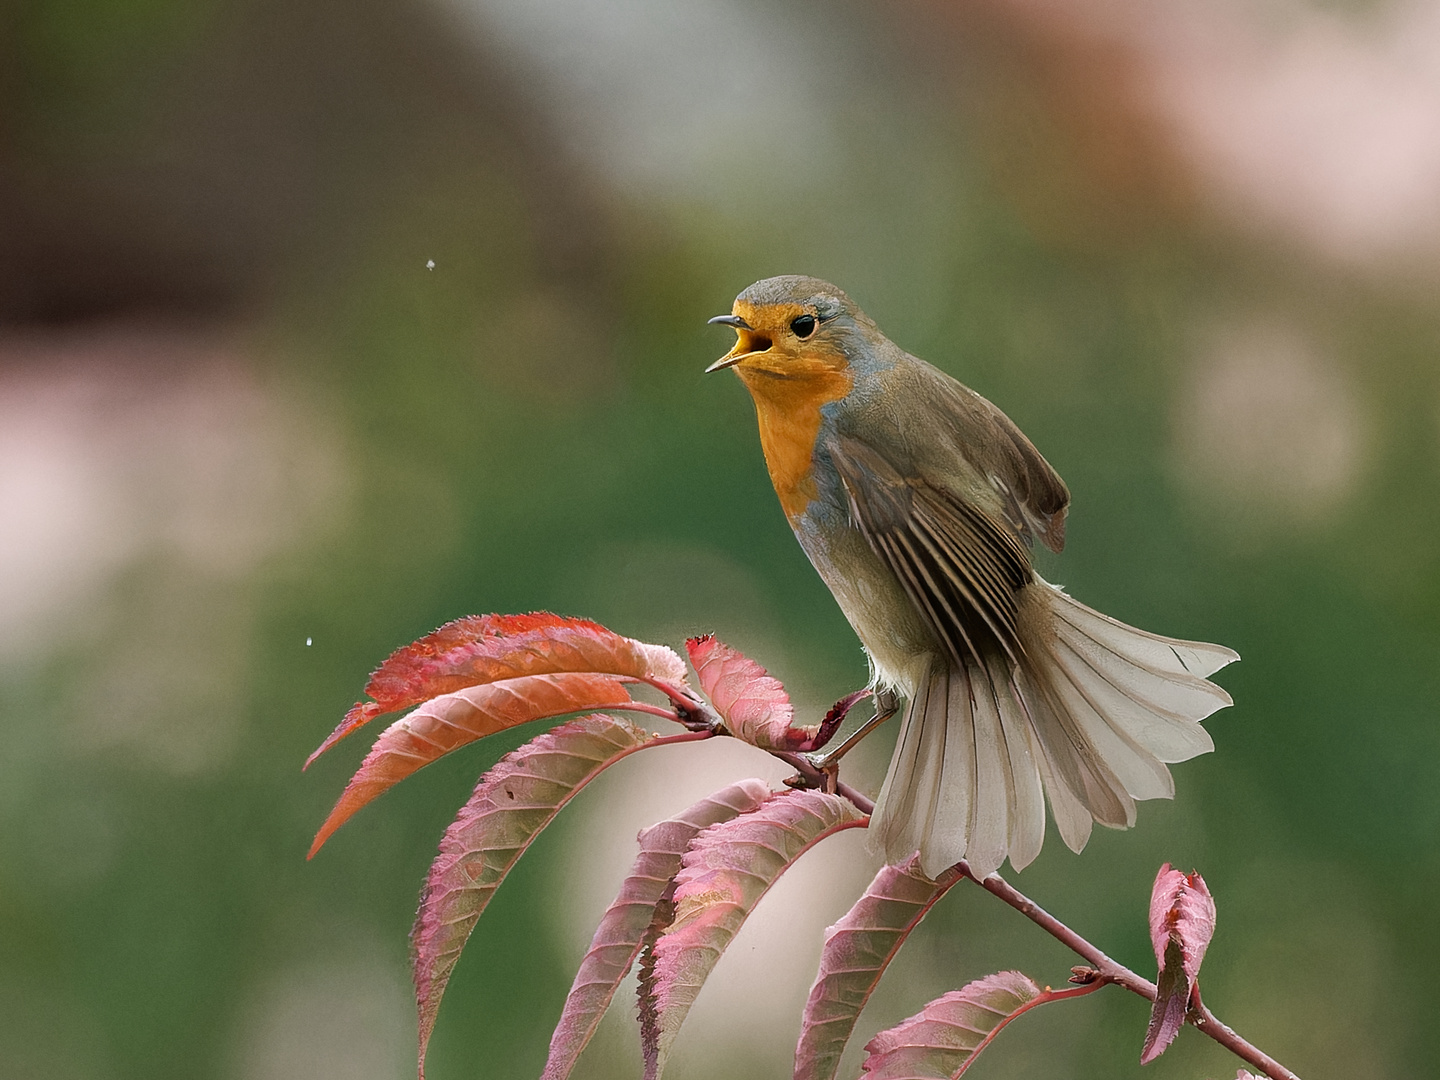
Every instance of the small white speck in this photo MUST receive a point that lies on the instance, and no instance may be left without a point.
(429, 264)
(307, 642)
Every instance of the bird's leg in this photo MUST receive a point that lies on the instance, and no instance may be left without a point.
(887, 704)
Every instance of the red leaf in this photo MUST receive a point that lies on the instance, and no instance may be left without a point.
(482, 649)
(728, 868)
(857, 951)
(1182, 921)
(512, 803)
(1183, 911)
(942, 1040)
(622, 929)
(452, 720)
(751, 701)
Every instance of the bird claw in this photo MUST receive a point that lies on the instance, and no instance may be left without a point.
(887, 704)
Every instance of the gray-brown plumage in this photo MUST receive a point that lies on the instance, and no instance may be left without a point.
(917, 504)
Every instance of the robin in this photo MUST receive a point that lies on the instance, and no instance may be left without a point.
(917, 500)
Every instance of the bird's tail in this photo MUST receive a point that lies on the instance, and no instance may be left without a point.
(1089, 716)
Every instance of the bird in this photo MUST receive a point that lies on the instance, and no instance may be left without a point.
(917, 501)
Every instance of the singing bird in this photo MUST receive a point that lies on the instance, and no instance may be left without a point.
(917, 500)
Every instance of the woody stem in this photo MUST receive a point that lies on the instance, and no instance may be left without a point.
(1201, 1018)
(699, 716)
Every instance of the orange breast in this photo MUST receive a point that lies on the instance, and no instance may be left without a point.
(788, 409)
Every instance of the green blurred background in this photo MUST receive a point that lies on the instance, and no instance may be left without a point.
(250, 442)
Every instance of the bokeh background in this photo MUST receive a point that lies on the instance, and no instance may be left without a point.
(250, 441)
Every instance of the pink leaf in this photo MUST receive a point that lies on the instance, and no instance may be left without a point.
(943, 1039)
(857, 951)
(512, 803)
(1181, 911)
(728, 868)
(622, 929)
(1182, 921)
(453, 720)
(752, 702)
(482, 649)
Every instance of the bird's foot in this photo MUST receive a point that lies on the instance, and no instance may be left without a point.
(887, 704)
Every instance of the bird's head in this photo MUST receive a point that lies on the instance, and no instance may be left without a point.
(792, 328)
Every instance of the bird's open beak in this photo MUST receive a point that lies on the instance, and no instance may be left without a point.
(743, 342)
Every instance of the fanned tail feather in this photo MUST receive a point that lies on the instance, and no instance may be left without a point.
(1090, 715)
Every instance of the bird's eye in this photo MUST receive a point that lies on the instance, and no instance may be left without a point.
(804, 326)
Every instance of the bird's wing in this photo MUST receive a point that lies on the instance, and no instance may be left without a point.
(1035, 497)
(960, 567)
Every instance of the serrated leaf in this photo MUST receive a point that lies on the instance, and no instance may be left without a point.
(942, 1040)
(752, 702)
(857, 951)
(1167, 1013)
(1182, 922)
(622, 929)
(481, 649)
(728, 868)
(1181, 911)
(452, 720)
(510, 806)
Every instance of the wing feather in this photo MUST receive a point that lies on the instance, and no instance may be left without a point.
(922, 589)
(1034, 497)
(960, 567)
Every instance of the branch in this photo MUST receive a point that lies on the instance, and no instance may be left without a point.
(697, 714)
(807, 776)
(700, 717)
(1112, 971)
(861, 802)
